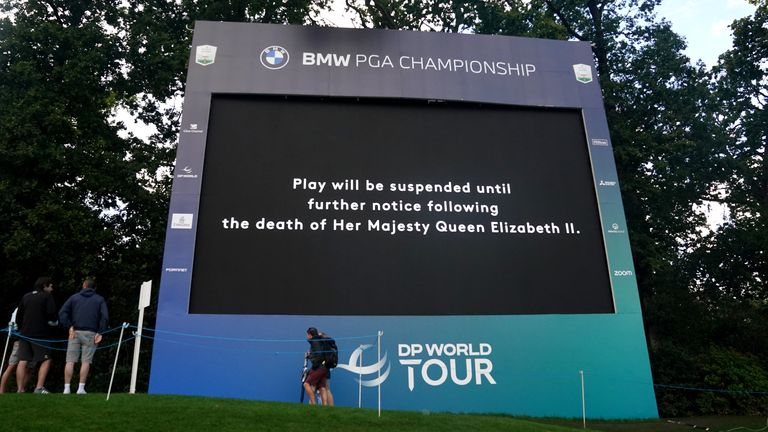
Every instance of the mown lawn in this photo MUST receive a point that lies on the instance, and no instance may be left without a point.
(141, 412)
(123, 412)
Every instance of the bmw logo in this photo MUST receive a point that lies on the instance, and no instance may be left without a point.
(274, 57)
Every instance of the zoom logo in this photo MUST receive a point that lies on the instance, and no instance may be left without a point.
(355, 365)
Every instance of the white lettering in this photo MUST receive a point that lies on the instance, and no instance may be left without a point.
(410, 364)
(483, 368)
(485, 349)
(323, 59)
(340, 60)
(466, 379)
(425, 372)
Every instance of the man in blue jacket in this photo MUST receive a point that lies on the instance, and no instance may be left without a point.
(85, 314)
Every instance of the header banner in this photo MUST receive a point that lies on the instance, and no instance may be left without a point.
(276, 59)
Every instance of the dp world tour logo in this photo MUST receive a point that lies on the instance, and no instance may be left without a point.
(274, 57)
(355, 366)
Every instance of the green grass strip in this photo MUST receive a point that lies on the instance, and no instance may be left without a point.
(124, 412)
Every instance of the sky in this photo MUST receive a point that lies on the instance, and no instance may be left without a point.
(704, 24)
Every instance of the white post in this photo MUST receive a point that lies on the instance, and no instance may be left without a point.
(5, 351)
(146, 290)
(378, 344)
(117, 353)
(11, 326)
(360, 380)
(583, 402)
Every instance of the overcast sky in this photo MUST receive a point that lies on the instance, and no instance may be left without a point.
(704, 24)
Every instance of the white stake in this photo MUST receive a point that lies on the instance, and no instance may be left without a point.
(5, 351)
(11, 325)
(146, 290)
(378, 343)
(583, 401)
(360, 380)
(117, 353)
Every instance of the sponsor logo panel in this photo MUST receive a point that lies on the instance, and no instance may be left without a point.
(205, 55)
(583, 73)
(181, 221)
(429, 364)
(274, 57)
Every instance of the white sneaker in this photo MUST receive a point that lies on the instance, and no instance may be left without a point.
(66, 391)
(81, 391)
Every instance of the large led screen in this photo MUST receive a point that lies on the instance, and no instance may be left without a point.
(333, 206)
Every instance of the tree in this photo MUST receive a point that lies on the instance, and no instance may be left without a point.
(79, 193)
(673, 154)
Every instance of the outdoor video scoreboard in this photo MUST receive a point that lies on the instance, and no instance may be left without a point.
(455, 192)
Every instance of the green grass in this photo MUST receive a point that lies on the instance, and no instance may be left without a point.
(123, 412)
(690, 424)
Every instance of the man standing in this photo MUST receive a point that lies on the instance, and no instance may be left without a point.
(36, 317)
(317, 373)
(85, 314)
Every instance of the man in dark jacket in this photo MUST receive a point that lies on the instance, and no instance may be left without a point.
(316, 380)
(36, 318)
(85, 314)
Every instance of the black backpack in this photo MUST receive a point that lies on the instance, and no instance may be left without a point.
(330, 352)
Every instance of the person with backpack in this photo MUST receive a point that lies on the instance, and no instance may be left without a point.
(331, 360)
(321, 358)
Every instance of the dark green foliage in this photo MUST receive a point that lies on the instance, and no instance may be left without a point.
(79, 194)
(735, 378)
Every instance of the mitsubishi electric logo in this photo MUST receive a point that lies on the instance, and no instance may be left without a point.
(355, 366)
(274, 57)
(193, 129)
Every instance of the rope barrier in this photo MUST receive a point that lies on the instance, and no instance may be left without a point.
(678, 387)
(31, 339)
(46, 343)
(251, 350)
(743, 392)
(40, 343)
(246, 339)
